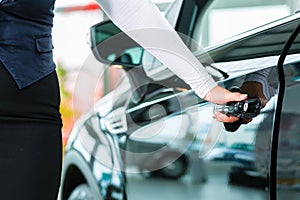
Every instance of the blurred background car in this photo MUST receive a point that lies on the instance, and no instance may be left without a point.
(238, 152)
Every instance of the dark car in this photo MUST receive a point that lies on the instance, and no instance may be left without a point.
(152, 123)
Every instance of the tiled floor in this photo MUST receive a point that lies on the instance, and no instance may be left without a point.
(216, 187)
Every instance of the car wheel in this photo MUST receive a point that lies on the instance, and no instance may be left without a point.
(82, 192)
(174, 168)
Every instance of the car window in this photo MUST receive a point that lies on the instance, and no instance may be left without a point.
(224, 19)
(205, 36)
(153, 67)
(255, 50)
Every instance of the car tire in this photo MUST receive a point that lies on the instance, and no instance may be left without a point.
(82, 192)
(173, 168)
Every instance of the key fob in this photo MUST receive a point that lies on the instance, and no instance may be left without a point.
(248, 108)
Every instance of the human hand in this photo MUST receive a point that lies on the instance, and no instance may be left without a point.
(253, 89)
(219, 95)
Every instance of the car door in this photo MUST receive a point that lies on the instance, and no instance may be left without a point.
(171, 120)
(240, 163)
(271, 172)
(171, 124)
(285, 153)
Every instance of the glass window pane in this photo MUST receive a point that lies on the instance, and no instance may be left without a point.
(224, 19)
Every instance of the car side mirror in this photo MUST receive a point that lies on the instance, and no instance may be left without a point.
(113, 47)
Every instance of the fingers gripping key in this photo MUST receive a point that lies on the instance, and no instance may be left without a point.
(245, 109)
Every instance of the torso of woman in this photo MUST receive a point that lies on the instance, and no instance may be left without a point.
(26, 40)
(30, 122)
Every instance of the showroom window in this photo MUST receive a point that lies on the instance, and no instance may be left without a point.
(224, 19)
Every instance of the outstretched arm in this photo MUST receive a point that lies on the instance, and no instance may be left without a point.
(142, 21)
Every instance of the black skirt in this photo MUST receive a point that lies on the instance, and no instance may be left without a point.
(30, 139)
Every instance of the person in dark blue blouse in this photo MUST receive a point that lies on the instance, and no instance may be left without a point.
(30, 121)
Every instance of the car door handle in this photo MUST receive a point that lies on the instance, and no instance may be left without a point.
(115, 122)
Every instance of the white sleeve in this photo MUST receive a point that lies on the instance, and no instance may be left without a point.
(142, 21)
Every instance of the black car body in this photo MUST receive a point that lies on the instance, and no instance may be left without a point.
(148, 124)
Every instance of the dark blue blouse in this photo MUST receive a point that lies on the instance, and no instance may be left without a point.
(25, 39)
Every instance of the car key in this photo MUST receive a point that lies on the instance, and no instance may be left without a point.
(248, 108)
